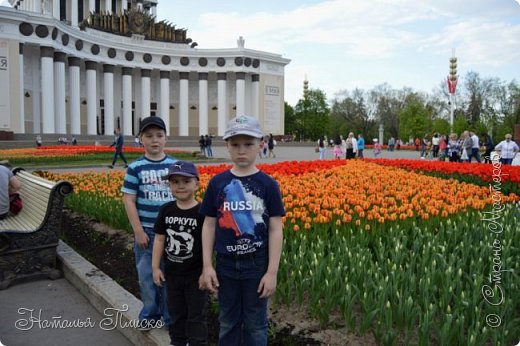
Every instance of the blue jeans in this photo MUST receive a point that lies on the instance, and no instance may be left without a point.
(243, 315)
(152, 296)
(119, 152)
(474, 153)
(209, 151)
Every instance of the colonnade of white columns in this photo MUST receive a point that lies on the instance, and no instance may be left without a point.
(53, 96)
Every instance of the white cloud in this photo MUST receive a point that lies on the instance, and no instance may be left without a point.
(345, 44)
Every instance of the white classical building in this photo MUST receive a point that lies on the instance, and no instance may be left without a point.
(90, 66)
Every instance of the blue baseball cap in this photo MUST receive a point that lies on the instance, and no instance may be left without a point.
(184, 168)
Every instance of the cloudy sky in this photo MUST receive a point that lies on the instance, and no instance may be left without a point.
(344, 44)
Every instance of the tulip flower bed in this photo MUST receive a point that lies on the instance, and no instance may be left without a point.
(481, 174)
(409, 258)
(60, 154)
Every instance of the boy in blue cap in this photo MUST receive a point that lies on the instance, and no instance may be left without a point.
(178, 232)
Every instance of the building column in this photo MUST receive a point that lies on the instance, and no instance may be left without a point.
(127, 100)
(222, 113)
(60, 115)
(38, 6)
(203, 104)
(255, 94)
(74, 95)
(74, 13)
(21, 129)
(164, 105)
(47, 60)
(56, 9)
(91, 6)
(145, 93)
(108, 6)
(183, 103)
(124, 6)
(241, 93)
(108, 76)
(91, 68)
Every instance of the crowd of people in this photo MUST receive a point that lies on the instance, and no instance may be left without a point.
(454, 148)
(350, 146)
(466, 147)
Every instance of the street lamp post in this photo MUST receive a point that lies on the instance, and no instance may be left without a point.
(452, 86)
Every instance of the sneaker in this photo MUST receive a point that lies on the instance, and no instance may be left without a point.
(126, 166)
(110, 166)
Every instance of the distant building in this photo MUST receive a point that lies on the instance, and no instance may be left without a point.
(90, 66)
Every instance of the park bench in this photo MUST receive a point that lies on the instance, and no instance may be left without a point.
(28, 240)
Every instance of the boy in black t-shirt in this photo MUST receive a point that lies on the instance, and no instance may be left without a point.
(178, 236)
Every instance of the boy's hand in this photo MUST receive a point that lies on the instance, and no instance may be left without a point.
(208, 280)
(141, 238)
(267, 285)
(158, 277)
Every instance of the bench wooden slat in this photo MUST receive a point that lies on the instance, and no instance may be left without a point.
(37, 194)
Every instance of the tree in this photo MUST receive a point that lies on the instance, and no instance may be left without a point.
(350, 113)
(312, 113)
(415, 118)
(291, 122)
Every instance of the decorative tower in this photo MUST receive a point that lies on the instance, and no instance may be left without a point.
(452, 85)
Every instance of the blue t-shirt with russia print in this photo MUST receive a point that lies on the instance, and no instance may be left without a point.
(242, 207)
(147, 179)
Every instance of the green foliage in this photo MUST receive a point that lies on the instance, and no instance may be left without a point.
(311, 116)
(460, 124)
(441, 126)
(414, 119)
(413, 282)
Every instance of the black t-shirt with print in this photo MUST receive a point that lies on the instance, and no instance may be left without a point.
(183, 245)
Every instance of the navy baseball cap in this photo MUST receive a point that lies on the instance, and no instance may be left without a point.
(152, 121)
(184, 168)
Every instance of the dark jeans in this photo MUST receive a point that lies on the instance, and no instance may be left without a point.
(243, 314)
(3, 216)
(188, 310)
(506, 161)
(360, 153)
(119, 152)
(350, 154)
(474, 153)
(487, 155)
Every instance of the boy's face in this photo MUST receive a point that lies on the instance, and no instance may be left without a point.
(243, 150)
(183, 188)
(153, 140)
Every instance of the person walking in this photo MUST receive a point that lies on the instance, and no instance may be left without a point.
(488, 144)
(322, 147)
(118, 143)
(507, 150)
(475, 148)
(270, 145)
(361, 145)
(207, 144)
(202, 145)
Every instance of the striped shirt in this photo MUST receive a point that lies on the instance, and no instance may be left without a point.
(147, 179)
